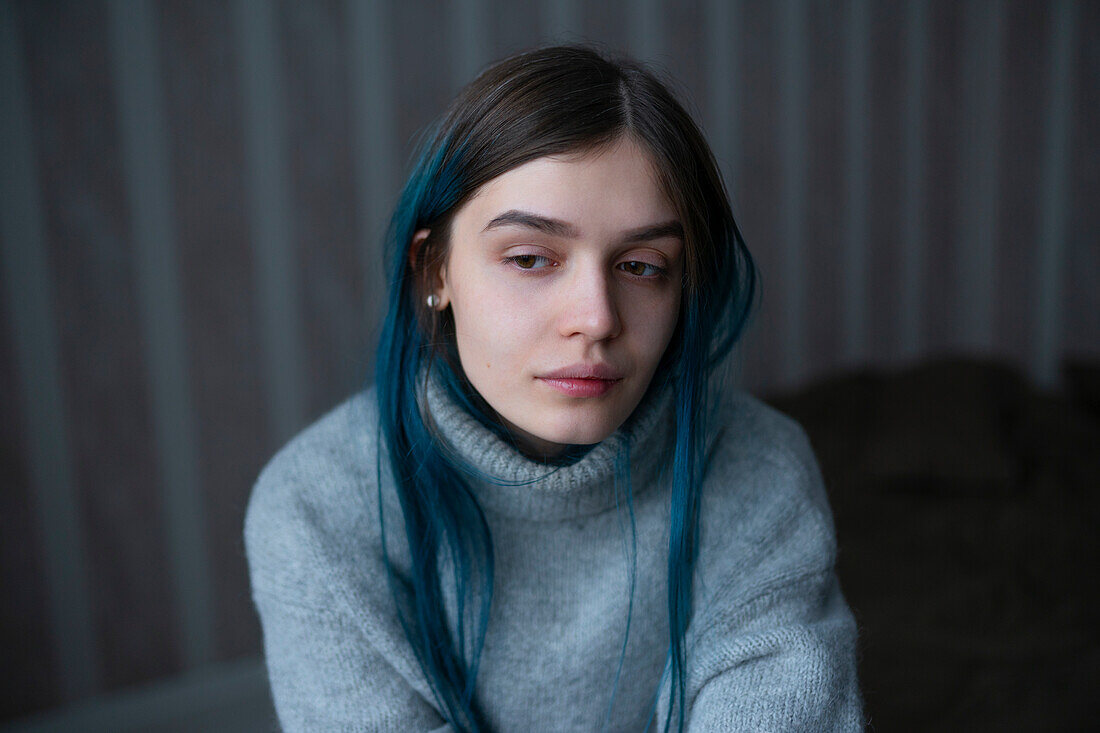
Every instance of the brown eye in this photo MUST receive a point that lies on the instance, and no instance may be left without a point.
(530, 262)
(640, 269)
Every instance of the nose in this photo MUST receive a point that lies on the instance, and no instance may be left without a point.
(589, 306)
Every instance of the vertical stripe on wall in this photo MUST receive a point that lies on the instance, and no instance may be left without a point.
(644, 17)
(270, 216)
(976, 242)
(1053, 204)
(723, 77)
(560, 20)
(471, 22)
(793, 161)
(30, 306)
(723, 88)
(913, 178)
(136, 71)
(853, 294)
(375, 137)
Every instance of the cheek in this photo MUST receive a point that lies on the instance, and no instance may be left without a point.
(493, 327)
(655, 324)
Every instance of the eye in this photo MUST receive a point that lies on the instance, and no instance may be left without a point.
(530, 261)
(641, 269)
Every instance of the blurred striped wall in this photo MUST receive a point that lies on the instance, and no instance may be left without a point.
(192, 196)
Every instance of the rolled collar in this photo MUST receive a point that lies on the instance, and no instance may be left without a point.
(520, 487)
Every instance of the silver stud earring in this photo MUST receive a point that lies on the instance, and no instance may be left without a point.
(433, 300)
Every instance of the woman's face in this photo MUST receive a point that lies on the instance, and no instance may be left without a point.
(564, 279)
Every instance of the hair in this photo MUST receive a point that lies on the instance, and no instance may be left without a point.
(552, 100)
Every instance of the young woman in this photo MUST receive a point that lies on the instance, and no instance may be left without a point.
(545, 515)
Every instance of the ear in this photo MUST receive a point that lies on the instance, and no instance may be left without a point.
(435, 279)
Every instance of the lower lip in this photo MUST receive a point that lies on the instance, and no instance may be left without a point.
(582, 387)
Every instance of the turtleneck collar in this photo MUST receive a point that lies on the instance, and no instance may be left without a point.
(545, 492)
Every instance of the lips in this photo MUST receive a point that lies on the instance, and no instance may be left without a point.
(597, 370)
(583, 380)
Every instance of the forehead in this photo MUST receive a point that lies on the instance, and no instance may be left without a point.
(602, 191)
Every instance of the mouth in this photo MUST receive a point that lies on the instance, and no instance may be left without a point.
(583, 380)
(581, 387)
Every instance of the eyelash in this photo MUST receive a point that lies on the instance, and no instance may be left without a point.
(516, 258)
(654, 270)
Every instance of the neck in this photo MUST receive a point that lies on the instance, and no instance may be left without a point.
(540, 450)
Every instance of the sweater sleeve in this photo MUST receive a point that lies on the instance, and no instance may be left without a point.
(333, 662)
(774, 645)
(325, 676)
(787, 664)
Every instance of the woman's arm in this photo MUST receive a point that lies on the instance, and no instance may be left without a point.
(772, 646)
(326, 676)
(783, 661)
(335, 651)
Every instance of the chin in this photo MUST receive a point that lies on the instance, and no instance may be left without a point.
(588, 434)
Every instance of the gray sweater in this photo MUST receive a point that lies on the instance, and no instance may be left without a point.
(771, 645)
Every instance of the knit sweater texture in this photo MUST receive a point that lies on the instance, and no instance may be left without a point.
(771, 645)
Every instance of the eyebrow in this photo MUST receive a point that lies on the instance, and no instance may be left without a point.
(559, 228)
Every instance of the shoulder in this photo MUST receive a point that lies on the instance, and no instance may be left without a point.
(314, 500)
(750, 436)
(765, 518)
